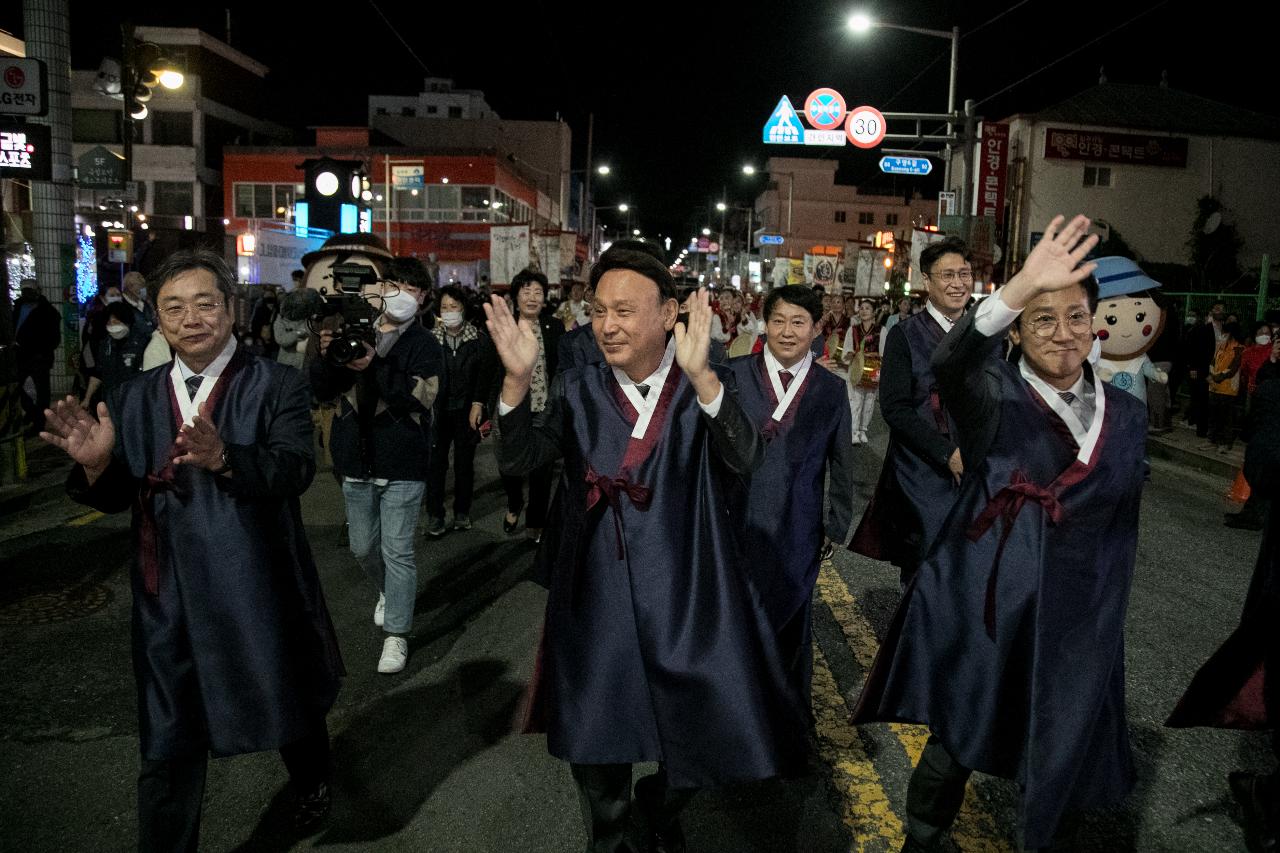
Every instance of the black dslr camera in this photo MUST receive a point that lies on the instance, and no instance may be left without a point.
(359, 314)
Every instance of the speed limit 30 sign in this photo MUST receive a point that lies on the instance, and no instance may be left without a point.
(865, 127)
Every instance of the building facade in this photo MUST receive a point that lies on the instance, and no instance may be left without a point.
(438, 99)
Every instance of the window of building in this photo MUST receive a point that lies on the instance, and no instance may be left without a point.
(432, 110)
(444, 203)
(1097, 176)
(174, 198)
(891, 219)
(841, 217)
(95, 125)
(263, 201)
(171, 128)
(455, 112)
(380, 111)
(408, 112)
(866, 217)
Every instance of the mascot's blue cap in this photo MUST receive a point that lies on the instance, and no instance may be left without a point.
(1121, 276)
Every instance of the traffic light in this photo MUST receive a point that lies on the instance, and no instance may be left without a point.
(145, 68)
(334, 194)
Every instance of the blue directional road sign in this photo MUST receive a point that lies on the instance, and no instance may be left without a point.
(906, 165)
(771, 240)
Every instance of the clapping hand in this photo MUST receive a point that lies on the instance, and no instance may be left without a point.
(198, 443)
(1056, 262)
(87, 440)
(517, 346)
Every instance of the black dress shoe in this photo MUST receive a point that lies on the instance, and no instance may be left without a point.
(1260, 811)
(312, 809)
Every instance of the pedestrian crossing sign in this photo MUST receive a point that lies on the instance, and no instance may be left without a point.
(783, 126)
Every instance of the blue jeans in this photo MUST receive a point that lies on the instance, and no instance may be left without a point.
(382, 521)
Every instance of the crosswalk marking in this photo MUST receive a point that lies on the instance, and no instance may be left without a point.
(975, 828)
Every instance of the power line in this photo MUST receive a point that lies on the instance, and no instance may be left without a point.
(396, 33)
(1072, 53)
(943, 56)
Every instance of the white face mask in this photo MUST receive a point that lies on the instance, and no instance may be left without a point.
(111, 299)
(1262, 339)
(116, 331)
(400, 307)
(451, 318)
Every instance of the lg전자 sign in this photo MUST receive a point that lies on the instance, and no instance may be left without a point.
(24, 87)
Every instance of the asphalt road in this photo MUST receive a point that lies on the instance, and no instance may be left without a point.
(427, 760)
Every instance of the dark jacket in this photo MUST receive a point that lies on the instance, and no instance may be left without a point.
(38, 333)
(383, 426)
(470, 371)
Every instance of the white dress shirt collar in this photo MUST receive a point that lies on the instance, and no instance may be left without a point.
(772, 364)
(943, 320)
(215, 368)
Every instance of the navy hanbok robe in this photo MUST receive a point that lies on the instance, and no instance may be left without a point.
(1239, 686)
(1009, 643)
(233, 648)
(655, 645)
(916, 489)
(785, 519)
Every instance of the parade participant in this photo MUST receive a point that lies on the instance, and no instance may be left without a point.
(233, 649)
(1238, 687)
(382, 444)
(656, 449)
(922, 467)
(903, 312)
(800, 409)
(465, 399)
(528, 294)
(862, 352)
(1009, 643)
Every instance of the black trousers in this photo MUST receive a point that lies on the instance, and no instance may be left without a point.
(1222, 409)
(34, 408)
(934, 794)
(453, 428)
(539, 496)
(1198, 409)
(171, 792)
(604, 790)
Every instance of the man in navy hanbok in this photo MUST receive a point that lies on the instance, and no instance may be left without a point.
(920, 479)
(233, 648)
(655, 646)
(1009, 642)
(800, 408)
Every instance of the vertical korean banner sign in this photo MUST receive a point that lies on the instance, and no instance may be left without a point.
(508, 252)
(993, 162)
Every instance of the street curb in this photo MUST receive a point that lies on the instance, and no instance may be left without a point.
(1196, 461)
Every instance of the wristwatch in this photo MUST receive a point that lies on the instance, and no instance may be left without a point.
(226, 463)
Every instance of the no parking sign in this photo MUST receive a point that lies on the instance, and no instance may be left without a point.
(824, 109)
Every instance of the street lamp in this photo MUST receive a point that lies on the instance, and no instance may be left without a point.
(603, 169)
(791, 189)
(860, 22)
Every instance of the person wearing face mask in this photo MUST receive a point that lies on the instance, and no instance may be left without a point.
(116, 355)
(465, 398)
(134, 292)
(381, 444)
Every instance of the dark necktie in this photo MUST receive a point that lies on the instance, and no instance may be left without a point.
(193, 385)
(785, 378)
(643, 389)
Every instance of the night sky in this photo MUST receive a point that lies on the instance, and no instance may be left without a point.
(680, 92)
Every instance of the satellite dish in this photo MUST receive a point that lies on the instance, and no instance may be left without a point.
(1211, 222)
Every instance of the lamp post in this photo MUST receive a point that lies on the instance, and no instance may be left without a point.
(622, 208)
(860, 22)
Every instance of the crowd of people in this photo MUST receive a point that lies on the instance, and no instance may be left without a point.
(682, 433)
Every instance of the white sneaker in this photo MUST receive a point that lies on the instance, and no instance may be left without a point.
(862, 437)
(379, 611)
(395, 650)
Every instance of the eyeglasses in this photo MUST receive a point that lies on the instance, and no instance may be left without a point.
(952, 276)
(1044, 325)
(204, 308)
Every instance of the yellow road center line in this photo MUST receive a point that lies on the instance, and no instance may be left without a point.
(866, 808)
(87, 518)
(975, 828)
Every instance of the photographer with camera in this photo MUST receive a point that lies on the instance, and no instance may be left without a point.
(385, 370)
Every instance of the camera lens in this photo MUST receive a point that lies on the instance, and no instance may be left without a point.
(345, 349)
